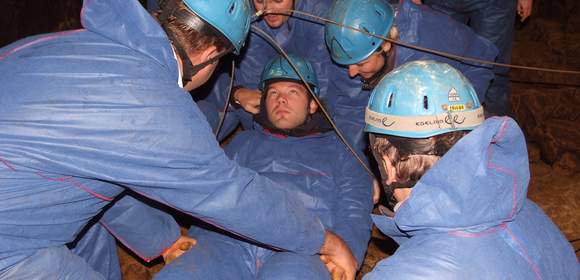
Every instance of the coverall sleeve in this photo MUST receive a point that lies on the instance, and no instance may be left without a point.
(352, 220)
(143, 229)
(317, 52)
(480, 75)
(154, 140)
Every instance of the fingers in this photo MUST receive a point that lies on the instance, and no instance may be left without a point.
(248, 99)
(252, 107)
(336, 273)
(524, 9)
(186, 243)
(341, 262)
(181, 245)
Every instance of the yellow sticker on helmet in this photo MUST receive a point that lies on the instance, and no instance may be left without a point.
(456, 107)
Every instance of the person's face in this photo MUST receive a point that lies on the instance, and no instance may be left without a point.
(390, 170)
(400, 194)
(288, 105)
(274, 20)
(368, 67)
(203, 75)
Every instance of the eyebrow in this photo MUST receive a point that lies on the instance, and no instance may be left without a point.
(295, 86)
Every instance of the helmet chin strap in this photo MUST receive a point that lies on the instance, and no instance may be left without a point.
(370, 83)
(169, 8)
(190, 70)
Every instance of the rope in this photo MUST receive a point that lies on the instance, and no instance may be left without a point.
(324, 111)
(227, 103)
(432, 51)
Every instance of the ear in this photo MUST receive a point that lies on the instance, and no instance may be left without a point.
(386, 46)
(313, 106)
(208, 53)
(390, 170)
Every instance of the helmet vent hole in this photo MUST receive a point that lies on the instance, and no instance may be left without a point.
(390, 101)
(232, 8)
(365, 29)
(425, 102)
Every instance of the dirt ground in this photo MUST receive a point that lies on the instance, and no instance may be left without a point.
(547, 107)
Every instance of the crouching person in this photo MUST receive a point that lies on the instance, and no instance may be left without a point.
(296, 144)
(461, 210)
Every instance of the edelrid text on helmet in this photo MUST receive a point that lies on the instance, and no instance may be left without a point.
(230, 17)
(348, 46)
(421, 99)
(280, 68)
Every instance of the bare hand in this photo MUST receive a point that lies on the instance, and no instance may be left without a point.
(525, 9)
(336, 273)
(249, 99)
(180, 246)
(338, 258)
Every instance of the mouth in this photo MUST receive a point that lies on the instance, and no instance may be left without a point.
(281, 112)
(272, 18)
(365, 76)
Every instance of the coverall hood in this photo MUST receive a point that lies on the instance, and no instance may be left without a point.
(473, 187)
(468, 217)
(139, 31)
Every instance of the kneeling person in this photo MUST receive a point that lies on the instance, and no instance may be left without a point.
(461, 211)
(296, 144)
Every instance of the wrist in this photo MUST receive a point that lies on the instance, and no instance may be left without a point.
(329, 243)
(233, 98)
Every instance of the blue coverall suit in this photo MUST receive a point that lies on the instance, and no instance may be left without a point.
(421, 26)
(90, 112)
(332, 185)
(494, 20)
(468, 217)
(297, 36)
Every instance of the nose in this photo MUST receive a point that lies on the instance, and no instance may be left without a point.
(281, 98)
(390, 180)
(353, 70)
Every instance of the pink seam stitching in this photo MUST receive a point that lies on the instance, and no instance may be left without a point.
(460, 233)
(203, 219)
(535, 268)
(85, 3)
(502, 169)
(72, 181)
(514, 195)
(68, 179)
(39, 40)
(5, 162)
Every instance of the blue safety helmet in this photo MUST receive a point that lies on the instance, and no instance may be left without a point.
(349, 46)
(230, 17)
(421, 99)
(280, 68)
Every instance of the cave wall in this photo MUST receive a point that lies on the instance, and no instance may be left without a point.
(547, 105)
